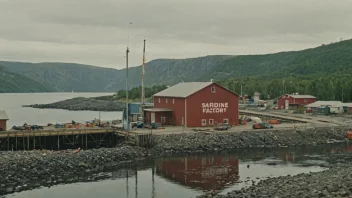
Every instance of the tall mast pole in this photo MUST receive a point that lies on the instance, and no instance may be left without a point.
(143, 72)
(127, 51)
(127, 120)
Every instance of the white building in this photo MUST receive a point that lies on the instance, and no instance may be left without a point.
(335, 106)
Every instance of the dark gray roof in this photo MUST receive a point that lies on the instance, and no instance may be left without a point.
(3, 115)
(183, 90)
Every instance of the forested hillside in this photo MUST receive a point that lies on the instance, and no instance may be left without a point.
(12, 82)
(325, 72)
(86, 78)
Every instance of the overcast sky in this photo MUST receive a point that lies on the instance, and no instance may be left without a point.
(96, 31)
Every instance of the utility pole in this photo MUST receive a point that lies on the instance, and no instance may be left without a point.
(99, 120)
(127, 51)
(127, 118)
(143, 71)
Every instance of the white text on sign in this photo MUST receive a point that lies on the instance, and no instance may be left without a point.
(214, 107)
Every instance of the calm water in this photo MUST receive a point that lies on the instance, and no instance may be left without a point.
(194, 175)
(19, 115)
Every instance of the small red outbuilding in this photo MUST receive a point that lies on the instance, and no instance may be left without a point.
(288, 101)
(194, 104)
(3, 120)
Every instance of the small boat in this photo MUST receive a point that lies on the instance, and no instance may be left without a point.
(349, 134)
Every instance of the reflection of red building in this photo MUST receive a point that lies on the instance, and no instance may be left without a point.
(290, 157)
(206, 173)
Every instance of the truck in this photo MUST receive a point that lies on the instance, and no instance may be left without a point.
(263, 125)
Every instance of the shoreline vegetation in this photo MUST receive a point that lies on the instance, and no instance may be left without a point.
(23, 170)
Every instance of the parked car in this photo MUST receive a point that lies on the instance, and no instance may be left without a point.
(263, 125)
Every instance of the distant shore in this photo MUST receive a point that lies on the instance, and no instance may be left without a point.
(83, 104)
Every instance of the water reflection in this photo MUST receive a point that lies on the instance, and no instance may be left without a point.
(202, 172)
(190, 176)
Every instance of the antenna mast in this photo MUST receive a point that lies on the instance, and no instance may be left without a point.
(143, 72)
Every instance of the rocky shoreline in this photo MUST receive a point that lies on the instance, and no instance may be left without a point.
(333, 182)
(202, 142)
(21, 168)
(82, 104)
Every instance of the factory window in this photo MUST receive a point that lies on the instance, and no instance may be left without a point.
(159, 100)
(226, 121)
(212, 89)
(166, 100)
(211, 121)
(173, 101)
(204, 122)
(163, 119)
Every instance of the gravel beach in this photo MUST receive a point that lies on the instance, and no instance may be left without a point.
(333, 182)
(19, 169)
(201, 142)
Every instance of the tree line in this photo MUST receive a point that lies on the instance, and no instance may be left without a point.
(324, 86)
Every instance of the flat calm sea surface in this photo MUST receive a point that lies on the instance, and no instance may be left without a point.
(12, 104)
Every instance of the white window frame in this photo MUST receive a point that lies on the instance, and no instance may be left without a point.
(204, 122)
(166, 100)
(226, 120)
(159, 100)
(173, 101)
(163, 119)
(211, 121)
(212, 89)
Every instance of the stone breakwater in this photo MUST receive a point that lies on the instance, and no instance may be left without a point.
(334, 182)
(20, 169)
(82, 104)
(201, 142)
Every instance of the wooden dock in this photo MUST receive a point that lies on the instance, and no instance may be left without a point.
(57, 139)
(55, 132)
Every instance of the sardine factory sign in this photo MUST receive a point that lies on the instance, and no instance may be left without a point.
(214, 107)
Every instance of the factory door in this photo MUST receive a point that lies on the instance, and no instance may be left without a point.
(286, 104)
(152, 117)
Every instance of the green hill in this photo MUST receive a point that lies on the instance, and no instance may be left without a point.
(12, 82)
(87, 78)
(324, 71)
(324, 59)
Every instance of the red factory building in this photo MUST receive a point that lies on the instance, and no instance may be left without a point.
(204, 172)
(294, 101)
(194, 104)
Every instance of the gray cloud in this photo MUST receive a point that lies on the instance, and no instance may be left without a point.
(96, 32)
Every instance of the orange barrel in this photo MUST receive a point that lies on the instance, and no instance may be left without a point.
(349, 135)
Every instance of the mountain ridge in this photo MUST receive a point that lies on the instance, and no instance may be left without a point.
(313, 62)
